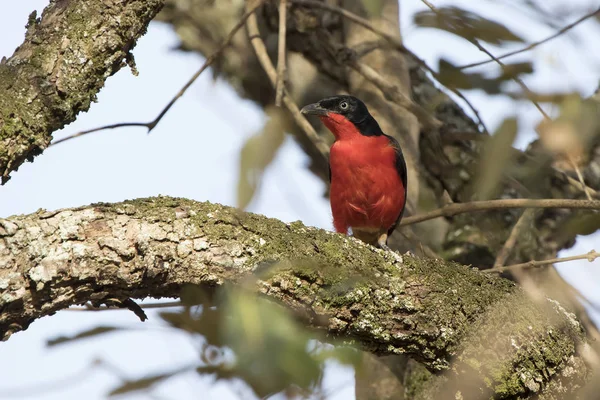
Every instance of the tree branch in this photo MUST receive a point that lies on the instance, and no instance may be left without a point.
(461, 208)
(433, 310)
(210, 60)
(60, 67)
(590, 256)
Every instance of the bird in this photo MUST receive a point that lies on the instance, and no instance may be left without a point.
(367, 171)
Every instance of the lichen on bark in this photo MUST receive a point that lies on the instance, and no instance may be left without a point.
(57, 71)
(445, 315)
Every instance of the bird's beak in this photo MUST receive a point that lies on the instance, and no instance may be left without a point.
(314, 109)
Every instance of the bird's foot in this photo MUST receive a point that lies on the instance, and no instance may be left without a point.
(382, 242)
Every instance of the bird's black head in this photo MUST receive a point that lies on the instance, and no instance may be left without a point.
(353, 109)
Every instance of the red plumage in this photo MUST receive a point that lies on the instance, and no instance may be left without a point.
(366, 189)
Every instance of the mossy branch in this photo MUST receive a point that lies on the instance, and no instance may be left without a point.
(476, 327)
(63, 63)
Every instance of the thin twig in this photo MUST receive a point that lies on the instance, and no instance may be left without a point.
(580, 177)
(394, 41)
(518, 80)
(281, 52)
(516, 231)
(461, 208)
(263, 57)
(515, 78)
(209, 61)
(591, 256)
(89, 307)
(535, 44)
(394, 94)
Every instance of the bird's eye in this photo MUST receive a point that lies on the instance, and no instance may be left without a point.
(343, 105)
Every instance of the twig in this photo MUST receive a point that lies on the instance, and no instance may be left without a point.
(394, 41)
(515, 78)
(394, 94)
(89, 307)
(535, 44)
(101, 128)
(263, 57)
(591, 256)
(516, 231)
(281, 52)
(580, 177)
(518, 80)
(461, 208)
(207, 63)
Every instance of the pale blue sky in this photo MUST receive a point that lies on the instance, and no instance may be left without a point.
(193, 153)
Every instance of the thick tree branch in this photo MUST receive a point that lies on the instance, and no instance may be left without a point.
(60, 67)
(431, 309)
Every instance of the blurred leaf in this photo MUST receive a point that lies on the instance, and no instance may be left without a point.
(571, 134)
(373, 7)
(342, 354)
(466, 24)
(269, 349)
(207, 323)
(494, 159)
(453, 77)
(258, 152)
(582, 224)
(145, 383)
(100, 330)
(267, 327)
(511, 71)
(192, 295)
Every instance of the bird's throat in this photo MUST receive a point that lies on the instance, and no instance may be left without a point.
(340, 126)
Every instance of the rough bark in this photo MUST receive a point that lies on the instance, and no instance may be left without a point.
(480, 329)
(63, 63)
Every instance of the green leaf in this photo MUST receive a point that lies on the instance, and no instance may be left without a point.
(82, 335)
(453, 77)
(466, 24)
(258, 152)
(495, 158)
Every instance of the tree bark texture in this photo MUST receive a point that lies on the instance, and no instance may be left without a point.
(481, 331)
(63, 63)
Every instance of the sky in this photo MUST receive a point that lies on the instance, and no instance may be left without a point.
(194, 153)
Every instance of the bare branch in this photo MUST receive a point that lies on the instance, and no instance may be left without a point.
(263, 57)
(394, 94)
(281, 52)
(461, 208)
(591, 256)
(535, 44)
(207, 63)
(522, 223)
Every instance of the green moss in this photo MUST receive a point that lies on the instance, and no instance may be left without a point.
(484, 322)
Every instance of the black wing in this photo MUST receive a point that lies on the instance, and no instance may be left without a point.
(401, 168)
